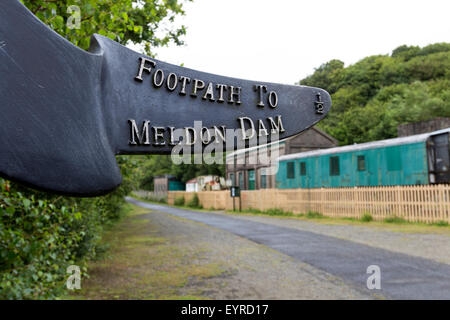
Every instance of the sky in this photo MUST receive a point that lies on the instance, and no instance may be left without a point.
(282, 41)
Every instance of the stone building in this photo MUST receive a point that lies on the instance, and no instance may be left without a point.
(410, 129)
(252, 170)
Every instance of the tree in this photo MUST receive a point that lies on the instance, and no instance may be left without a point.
(373, 96)
(138, 21)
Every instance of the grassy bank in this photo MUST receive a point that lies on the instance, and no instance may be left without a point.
(140, 263)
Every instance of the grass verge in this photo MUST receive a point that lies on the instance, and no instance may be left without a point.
(140, 264)
(393, 223)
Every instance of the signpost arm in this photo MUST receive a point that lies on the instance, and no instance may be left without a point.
(65, 113)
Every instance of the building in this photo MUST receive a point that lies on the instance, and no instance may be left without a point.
(253, 171)
(410, 129)
(163, 184)
(192, 185)
(413, 160)
(205, 183)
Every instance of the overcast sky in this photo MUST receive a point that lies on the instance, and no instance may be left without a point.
(284, 40)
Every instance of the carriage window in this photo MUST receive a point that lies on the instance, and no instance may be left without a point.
(303, 168)
(334, 166)
(290, 170)
(361, 163)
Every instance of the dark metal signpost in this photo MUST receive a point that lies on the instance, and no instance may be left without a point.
(65, 113)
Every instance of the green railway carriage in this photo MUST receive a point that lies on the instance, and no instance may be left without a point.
(414, 160)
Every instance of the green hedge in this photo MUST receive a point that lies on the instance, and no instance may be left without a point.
(42, 234)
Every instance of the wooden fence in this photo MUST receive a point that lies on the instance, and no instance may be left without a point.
(413, 203)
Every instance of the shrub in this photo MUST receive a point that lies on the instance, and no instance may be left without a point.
(394, 219)
(42, 234)
(441, 223)
(367, 217)
(314, 215)
(179, 201)
(194, 202)
(278, 212)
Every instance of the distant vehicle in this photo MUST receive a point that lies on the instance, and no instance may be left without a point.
(414, 160)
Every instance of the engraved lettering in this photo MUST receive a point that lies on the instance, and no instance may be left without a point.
(319, 104)
(159, 133)
(245, 134)
(142, 67)
(273, 99)
(261, 89)
(205, 134)
(184, 80)
(276, 127)
(221, 88)
(172, 141)
(172, 81)
(190, 139)
(219, 134)
(262, 128)
(158, 73)
(209, 94)
(198, 85)
(235, 92)
(143, 138)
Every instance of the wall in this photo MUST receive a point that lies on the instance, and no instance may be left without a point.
(430, 203)
(410, 129)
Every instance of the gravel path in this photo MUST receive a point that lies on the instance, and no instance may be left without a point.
(324, 252)
(250, 270)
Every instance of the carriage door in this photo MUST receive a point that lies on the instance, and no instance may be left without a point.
(440, 151)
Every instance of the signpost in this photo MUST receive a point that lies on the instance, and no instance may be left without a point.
(65, 113)
(235, 192)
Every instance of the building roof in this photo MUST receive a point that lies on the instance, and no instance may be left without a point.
(241, 151)
(191, 181)
(364, 146)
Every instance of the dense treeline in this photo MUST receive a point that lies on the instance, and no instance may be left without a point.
(373, 96)
(41, 234)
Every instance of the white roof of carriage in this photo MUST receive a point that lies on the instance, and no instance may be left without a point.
(364, 146)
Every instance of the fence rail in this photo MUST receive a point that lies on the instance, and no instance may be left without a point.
(413, 203)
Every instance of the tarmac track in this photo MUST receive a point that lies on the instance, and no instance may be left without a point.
(402, 276)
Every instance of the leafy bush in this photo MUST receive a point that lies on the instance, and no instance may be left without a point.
(42, 234)
(314, 215)
(367, 217)
(394, 219)
(179, 201)
(441, 223)
(194, 202)
(278, 212)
